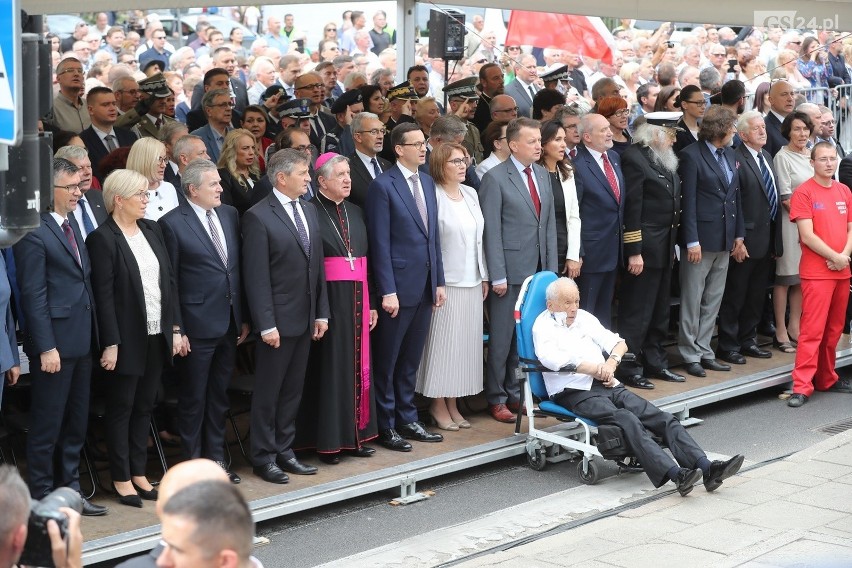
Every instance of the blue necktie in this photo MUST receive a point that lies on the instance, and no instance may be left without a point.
(376, 169)
(720, 157)
(87, 221)
(300, 227)
(769, 186)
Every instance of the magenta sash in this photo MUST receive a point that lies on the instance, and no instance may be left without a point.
(337, 268)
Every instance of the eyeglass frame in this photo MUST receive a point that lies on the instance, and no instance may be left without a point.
(68, 187)
(374, 131)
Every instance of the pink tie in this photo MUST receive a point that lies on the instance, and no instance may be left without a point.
(610, 177)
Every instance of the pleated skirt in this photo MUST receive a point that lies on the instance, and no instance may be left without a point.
(452, 359)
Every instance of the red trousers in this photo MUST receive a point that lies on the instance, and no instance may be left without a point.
(823, 313)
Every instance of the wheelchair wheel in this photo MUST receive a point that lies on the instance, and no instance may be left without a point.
(591, 477)
(537, 459)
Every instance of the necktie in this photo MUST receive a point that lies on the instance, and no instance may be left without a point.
(572, 153)
(418, 199)
(610, 177)
(69, 235)
(720, 157)
(300, 227)
(217, 242)
(532, 92)
(768, 186)
(87, 221)
(533, 193)
(159, 123)
(376, 169)
(110, 142)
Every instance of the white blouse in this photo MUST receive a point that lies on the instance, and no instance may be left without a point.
(161, 200)
(149, 270)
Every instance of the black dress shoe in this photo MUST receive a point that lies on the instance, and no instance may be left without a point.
(416, 431)
(695, 369)
(722, 470)
(796, 400)
(686, 479)
(92, 510)
(766, 329)
(330, 459)
(233, 477)
(666, 375)
(391, 439)
(295, 467)
(755, 351)
(147, 495)
(714, 365)
(362, 452)
(271, 473)
(733, 357)
(637, 381)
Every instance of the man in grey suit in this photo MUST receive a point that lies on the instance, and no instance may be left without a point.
(520, 240)
(523, 89)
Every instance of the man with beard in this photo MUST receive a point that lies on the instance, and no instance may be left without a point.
(745, 286)
(490, 85)
(651, 221)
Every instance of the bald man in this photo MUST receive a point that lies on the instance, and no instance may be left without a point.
(782, 98)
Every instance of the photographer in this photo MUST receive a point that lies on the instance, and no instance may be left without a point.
(15, 504)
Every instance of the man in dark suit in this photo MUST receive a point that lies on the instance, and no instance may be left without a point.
(58, 321)
(309, 86)
(523, 88)
(218, 108)
(748, 277)
(405, 256)
(520, 240)
(103, 136)
(651, 221)
(202, 237)
(490, 85)
(839, 73)
(365, 164)
(216, 78)
(600, 192)
(284, 279)
(782, 99)
(712, 232)
(90, 211)
(224, 59)
(170, 134)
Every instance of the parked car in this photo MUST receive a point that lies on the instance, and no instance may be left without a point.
(188, 22)
(62, 24)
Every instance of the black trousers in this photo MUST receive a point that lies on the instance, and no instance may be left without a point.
(643, 319)
(203, 395)
(59, 418)
(130, 401)
(639, 419)
(742, 303)
(596, 293)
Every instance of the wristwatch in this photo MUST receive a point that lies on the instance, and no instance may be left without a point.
(616, 358)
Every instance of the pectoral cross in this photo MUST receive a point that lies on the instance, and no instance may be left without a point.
(351, 260)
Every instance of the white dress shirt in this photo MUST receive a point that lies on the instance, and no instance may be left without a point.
(366, 160)
(201, 213)
(78, 214)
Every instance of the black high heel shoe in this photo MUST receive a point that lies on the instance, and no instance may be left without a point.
(147, 495)
(132, 500)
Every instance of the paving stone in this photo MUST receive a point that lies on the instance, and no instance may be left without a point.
(740, 494)
(823, 469)
(663, 555)
(721, 535)
(771, 486)
(700, 507)
(841, 455)
(834, 496)
(619, 529)
(785, 515)
(806, 553)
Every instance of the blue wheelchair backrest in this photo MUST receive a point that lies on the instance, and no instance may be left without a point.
(532, 300)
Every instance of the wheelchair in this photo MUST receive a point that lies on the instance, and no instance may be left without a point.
(575, 436)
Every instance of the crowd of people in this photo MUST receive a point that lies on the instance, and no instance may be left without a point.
(357, 227)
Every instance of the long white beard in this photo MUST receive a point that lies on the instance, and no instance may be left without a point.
(666, 158)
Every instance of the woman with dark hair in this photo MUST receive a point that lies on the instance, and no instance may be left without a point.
(792, 168)
(813, 65)
(62, 138)
(564, 190)
(761, 98)
(666, 99)
(375, 102)
(255, 121)
(545, 104)
(615, 110)
(693, 104)
(115, 160)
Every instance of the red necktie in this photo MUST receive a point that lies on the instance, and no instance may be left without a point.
(610, 177)
(533, 193)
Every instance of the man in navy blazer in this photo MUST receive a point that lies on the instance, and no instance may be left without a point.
(284, 279)
(218, 107)
(203, 240)
(712, 231)
(405, 256)
(782, 99)
(602, 213)
(53, 273)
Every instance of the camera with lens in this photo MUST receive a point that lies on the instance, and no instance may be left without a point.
(37, 550)
(670, 44)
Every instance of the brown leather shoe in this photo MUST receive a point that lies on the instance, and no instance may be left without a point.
(516, 406)
(500, 413)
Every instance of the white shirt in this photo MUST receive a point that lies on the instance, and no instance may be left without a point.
(161, 200)
(201, 213)
(557, 345)
(285, 203)
(366, 160)
(757, 160)
(486, 164)
(408, 173)
(78, 214)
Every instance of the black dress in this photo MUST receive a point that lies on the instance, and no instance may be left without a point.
(561, 218)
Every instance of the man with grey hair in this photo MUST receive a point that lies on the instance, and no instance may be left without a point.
(186, 149)
(745, 285)
(651, 221)
(368, 132)
(523, 88)
(202, 236)
(262, 77)
(449, 129)
(284, 281)
(710, 82)
(91, 211)
(170, 133)
(218, 108)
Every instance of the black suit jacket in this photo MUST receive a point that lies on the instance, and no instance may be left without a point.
(774, 139)
(117, 283)
(839, 74)
(98, 151)
(844, 174)
(56, 292)
(209, 292)
(173, 178)
(96, 204)
(328, 121)
(762, 234)
(285, 288)
(239, 197)
(361, 178)
(240, 93)
(684, 137)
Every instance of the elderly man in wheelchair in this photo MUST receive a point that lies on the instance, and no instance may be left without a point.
(567, 338)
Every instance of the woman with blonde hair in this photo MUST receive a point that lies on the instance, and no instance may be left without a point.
(148, 157)
(238, 169)
(629, 73)
(138, 325)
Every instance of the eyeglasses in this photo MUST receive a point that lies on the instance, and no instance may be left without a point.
(418, 145)
(162, 160)
(331, 29)
(224, 105)
(702, 102)
(142, 196)
(459, 162)
(131, 92)
(75, 70)
(70, 188)
(621, 113)
(302, 148)
(311, 86)
(826, 160)
(374, 131)
(160, 37)
(718, 54)
(515, 109)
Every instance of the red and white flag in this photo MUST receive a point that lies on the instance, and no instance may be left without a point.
(578, 34)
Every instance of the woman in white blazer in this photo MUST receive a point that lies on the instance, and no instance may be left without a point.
(452, 359)
(564, 196)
